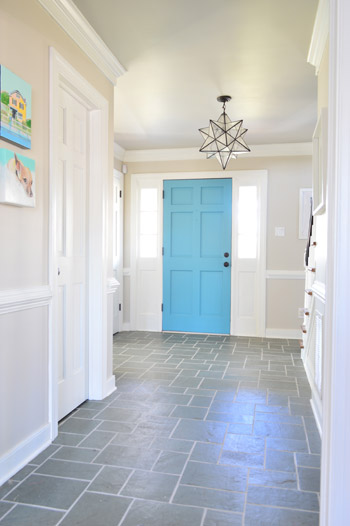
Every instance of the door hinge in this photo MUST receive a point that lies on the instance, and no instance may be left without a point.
(120, 306)
(162, 251)
(120, 193)
(161, 307)
(163, 194)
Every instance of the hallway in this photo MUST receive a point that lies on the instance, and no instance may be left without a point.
(202, 431)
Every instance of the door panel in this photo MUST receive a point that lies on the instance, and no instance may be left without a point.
(197, 233)
(71, 255)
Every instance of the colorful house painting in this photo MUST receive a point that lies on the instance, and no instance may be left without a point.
(15, 117)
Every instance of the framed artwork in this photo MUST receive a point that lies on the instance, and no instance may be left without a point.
(305, 196)
(319, 164)
(17, 179)
(16, 109)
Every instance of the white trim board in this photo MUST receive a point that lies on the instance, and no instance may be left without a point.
(285, 274)
(288, 334)
(319, 35)
(20, 299)
(119, 152)
(68, 16)
(24, 452)
(193, 154)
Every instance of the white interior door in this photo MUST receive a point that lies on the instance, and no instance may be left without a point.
(71, 199)
(118, 190)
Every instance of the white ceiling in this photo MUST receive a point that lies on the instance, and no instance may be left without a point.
(181, 54)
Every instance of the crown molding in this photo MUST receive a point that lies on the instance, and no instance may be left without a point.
(68, 16)
(319, 34)
(119, 152)
(193, 154)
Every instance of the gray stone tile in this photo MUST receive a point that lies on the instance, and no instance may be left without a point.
(151, 486)
(77, 454)
(94, 508)
(237, 458)
(287, 444)
(28, 516)
(244, 443)
(231, 418)
(23, 473)
(73, 470)
(279, 479)
(256, 396)
(195, 413)
(117, 427)
(130, 457)
(201, 401)
(306, 460)
(206, 452)
(97, 439)
(270, 429)
(202, 431)
(170, 398)
(309, 479)
(240, 429)
(214, 476)
(4, 508)
(170, 462)
(68, 439)
(217, 499)
(172, 444)
(48, 452)
(222, 518)
(7, 487)
(160, 514)
(46, 491)
(136, 439)
(222, 406)
(283, 498)
(152, 426)
(279, 460)
(279, 419)
(266, 516)
(119, 414)
(79, 426)
(219, 385)
(110, 480)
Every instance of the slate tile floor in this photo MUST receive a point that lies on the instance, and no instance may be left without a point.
(202, 431)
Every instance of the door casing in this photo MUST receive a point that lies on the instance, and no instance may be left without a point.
(152, 321)
(101, 381)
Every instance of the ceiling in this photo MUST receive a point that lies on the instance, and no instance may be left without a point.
(181, 54)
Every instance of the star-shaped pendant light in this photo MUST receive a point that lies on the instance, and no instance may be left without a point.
(223, 138)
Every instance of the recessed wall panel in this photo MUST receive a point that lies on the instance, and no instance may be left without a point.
(211, 232)
(211, 293)
(181, 234)
(181, 292)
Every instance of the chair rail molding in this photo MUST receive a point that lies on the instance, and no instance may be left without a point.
(285, 274)
(68, 16)
(13, 300)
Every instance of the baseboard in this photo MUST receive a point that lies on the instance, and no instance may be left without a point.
(288, 334)
(110, 386)
(126, 327)
(316, 403)
(23, 453)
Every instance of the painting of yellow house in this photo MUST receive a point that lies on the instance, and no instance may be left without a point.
(18, 106)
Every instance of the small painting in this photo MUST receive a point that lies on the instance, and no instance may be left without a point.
(17, 179)
(16, 109)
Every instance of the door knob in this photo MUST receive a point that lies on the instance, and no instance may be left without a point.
(226, 255)
(226, 264)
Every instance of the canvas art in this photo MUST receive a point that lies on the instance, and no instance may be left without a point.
(16, 109)
(17, 179)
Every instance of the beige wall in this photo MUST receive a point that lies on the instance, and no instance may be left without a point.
(26, 33)
(286, 175)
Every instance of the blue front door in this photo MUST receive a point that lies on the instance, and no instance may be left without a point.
(197, 255)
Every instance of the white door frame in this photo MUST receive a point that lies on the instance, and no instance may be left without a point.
(100, 381)
(335, 466)
(157, 179)
(119, 176)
